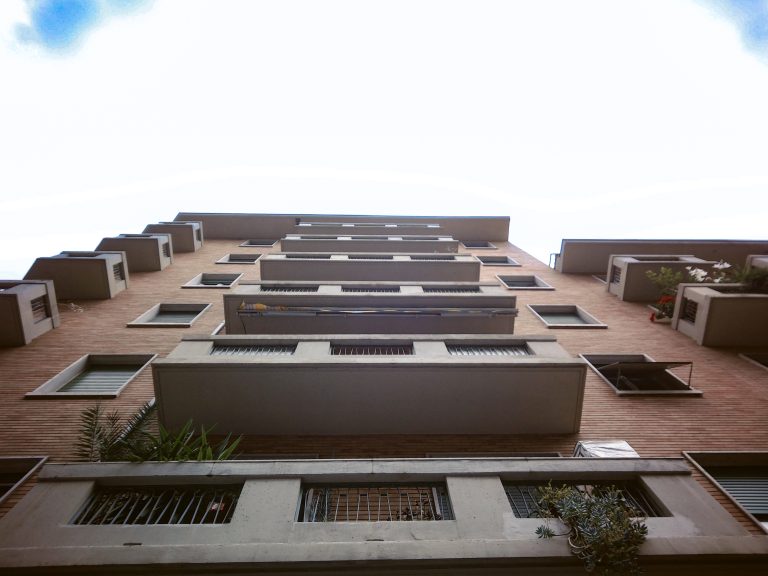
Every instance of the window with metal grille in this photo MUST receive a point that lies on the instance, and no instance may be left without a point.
(257, 242)
(375, 503)
(432, 257)
(118, 271)
(100, 379)
(488, 350)
(368, 257)
(239, 259)
(689, 310)
(147, 505)
(40, 309)
(170, 315)
(370, 288)
(497, 261)
(637, 373)
(615, 274)
(371, 349)
(477, 244)
(526, 282)
(524, 497)
(258, 350)
(451, 289)
(213, 280)
(167, 250)
(267, 288)
(308, 256)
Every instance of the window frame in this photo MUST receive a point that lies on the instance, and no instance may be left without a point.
(689, 391)
(145, 320)
(508, 261)
(196, 282)
(537, 282)
(226, 259)
(590, 321)
(52, 387)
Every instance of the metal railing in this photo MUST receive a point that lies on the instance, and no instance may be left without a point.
(234, 350)
(487, 350)
(145, 505)
(371, 350)
(374, 503)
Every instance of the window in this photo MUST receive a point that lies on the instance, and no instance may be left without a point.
(632, 374)
(488, 350)
(521, 282)
(523, 498)
(164, 505)
(565, 316)
(497, 261)
(266, 243)
(477, 244)
(451, 289)
(239, 259)
(374, 503)
(281, 289)
(94, 375)
(208, 280)
(689, 310)
(432, 257)
(388, 289)
(742, 476)
(253, 350)
(15, 471)
(170, 316)
(371, 349)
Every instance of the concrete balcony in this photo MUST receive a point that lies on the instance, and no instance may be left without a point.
(365, 384)
(28, 309)
(627, 278)
(391, 243)
(187, 236)
(370, 267)
(145, 252)
(263, 531)
(83, 275)
(369, 308)
(721, 315)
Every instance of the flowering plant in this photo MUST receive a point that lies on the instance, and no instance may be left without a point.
(668, 280)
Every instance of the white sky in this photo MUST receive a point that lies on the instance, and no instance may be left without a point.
(578, 119)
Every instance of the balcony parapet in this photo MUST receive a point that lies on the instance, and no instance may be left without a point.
(389, 243)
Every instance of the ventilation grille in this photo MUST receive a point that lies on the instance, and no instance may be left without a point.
(689, 310)
(389, 289)
(167, 250)
(374, 504)
(308, 256)
(372, 350)
(286, 289)
(368, 257)
(523, 498)
(232, 350)
(432, 257)
(477, 350)
(118, 271)
(160, 505)
(100, 379)
(39, 308)
(451, 289)
(615, 275)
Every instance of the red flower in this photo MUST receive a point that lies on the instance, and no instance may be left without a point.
(653, 317)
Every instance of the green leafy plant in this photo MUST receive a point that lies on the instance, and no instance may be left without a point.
(604, 530)
(106, 437)
(754, 279)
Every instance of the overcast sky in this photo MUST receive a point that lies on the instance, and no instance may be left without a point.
(578, 119)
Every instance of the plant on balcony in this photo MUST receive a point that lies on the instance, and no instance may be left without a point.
(604, 530)
(106, 437)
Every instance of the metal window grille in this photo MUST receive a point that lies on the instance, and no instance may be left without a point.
(104, 379)
(370, 288)
(748, 485)
(476, 244)
(308, 256)
(450, 289)
(244, 257)
(166, 250)
(214, 281)
(432, 257)
(371, 350)
(260, 242)
(615, 275)
(234, 350)
(118, 271)
(40, 309)
(523, 498)
(490, 350)
(524, 282)
(145, 505)
(374, 503)
(689, 310)
(288, 288)
(368, 257)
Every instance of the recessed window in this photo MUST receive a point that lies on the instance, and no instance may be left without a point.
(374, 503)
(371, 349)
(159, 505)
(253, 350)
(368, 257)
(524, 498)
(308, 256)
(209, 280)
(94, 375)
(497, 261)
(170, 315)
(14, 471)
(451, 289)
(477, 244)
(377, 289)
(488, 349)
(632, 374)
(260, 243)
(565, 316)
(280, 289)
(524, 282)
(432, 257)
(239, 259)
